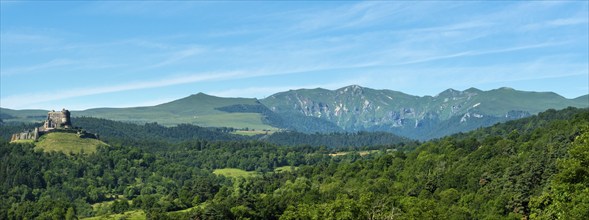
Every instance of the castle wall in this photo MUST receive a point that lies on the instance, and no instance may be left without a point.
(27, 135)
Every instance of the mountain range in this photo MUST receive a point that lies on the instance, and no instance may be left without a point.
(348, 109)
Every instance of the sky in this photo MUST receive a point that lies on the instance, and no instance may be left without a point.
(80, 55)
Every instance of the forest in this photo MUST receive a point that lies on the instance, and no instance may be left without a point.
(531, 168)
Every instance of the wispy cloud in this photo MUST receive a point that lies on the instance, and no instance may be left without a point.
(561, 22)
(37, 67)
(145, 8)
(10, 38)
(27, 99)
(478, 53)
(178, 56)
(364, 13)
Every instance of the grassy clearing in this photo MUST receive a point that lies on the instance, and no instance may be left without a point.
(204, 119)
(97, 206)
(23, 141)
(252, 133)
(183, 210)
(68, 142)
(233, 172)
(233, 120)
(285, 169)
(129, 215)
(362, 153)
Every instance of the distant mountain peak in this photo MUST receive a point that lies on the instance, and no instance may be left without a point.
(449, 92)
(473, 90)
(354, 89)
(201, 94)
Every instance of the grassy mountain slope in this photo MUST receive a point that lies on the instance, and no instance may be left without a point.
(199, 109)
(500, 101)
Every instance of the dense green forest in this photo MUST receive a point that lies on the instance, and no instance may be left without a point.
(337, 140)
(152, 135)
(535, 168)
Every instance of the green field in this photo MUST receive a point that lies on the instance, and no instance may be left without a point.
(233, 172)
(253, 132)
(136, 215)
(24, 141)
(68, 143)
(285, 169)
(129, 215)
(233, 120)
(362, 153)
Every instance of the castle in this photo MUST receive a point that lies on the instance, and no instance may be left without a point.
(55, 120)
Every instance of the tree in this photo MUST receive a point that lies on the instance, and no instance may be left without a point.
(70, 214)
(568, 195)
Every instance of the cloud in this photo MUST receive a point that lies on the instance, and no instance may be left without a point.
(145, 8)
(556, 23)
(38, 67)
(435, 56)
(27, 99)
(10, 38)
(568, 21)
(178, 56)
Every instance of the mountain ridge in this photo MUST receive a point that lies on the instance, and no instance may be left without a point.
(355, 108)
(349, 109)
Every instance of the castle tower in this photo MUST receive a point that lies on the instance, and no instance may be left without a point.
(65, 120)
(58, 120)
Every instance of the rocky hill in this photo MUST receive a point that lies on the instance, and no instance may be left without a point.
(355, 108)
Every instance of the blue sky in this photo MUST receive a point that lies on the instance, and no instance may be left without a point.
(81, 55)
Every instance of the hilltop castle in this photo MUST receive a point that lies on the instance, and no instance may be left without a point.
(55, 120)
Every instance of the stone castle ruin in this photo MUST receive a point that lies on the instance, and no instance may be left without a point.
(55, 121)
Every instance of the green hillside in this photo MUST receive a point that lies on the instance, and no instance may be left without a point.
(67, 143)
(27, 116)
(582, 100)
(199, 109)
